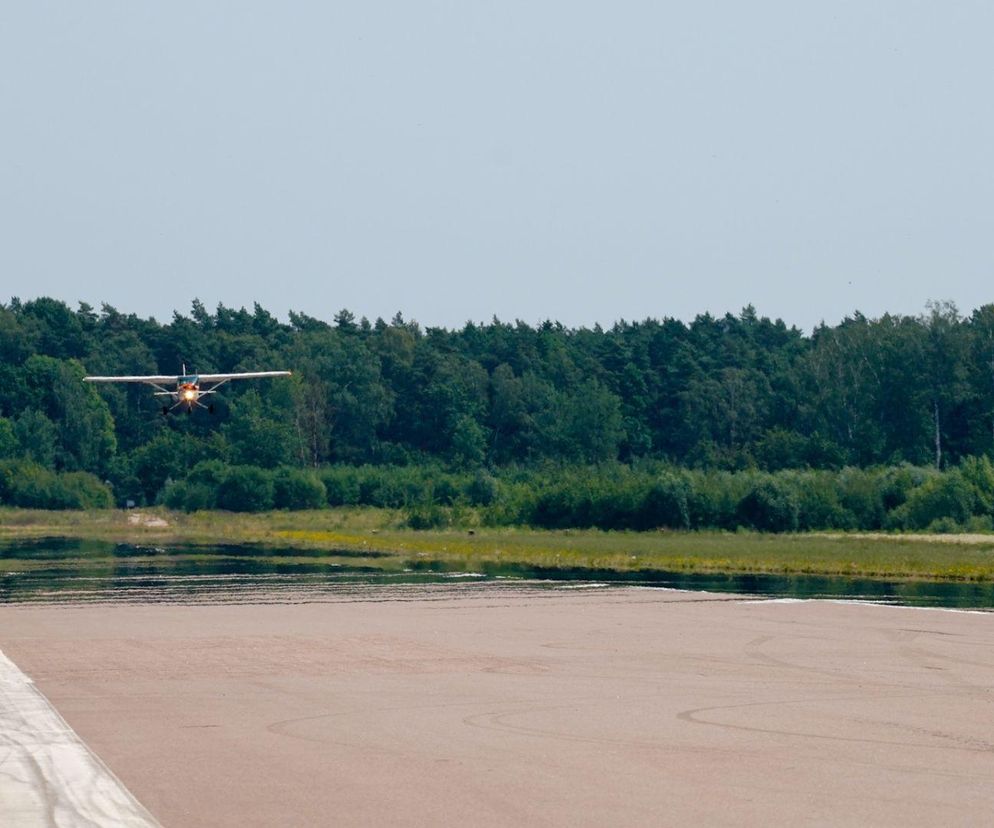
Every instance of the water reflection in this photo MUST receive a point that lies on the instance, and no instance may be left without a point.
(58, 570)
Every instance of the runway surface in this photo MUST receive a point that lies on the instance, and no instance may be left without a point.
(496, 707)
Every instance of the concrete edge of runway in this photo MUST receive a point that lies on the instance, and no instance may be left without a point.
(48, 776)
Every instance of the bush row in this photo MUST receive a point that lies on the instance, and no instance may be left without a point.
(26, 484)
(617, 496)
(902, 498)
(606, 497)
(214, 485)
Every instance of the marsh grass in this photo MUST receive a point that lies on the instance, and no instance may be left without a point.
(381, 534)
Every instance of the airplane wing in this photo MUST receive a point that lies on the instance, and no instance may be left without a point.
(151, 380)
(249, 375)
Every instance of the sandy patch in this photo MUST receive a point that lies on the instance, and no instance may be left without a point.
(151, 521)
(972, 538)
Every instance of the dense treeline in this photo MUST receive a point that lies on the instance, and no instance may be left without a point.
(732, 394)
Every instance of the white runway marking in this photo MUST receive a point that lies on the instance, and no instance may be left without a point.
(855, 602)
(48, 777)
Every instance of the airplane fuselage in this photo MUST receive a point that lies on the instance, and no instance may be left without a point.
(187, 389)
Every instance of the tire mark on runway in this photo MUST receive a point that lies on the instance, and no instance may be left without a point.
(905, 639)
(932, 732)
(966, 662)
(754, 649)
(695, 716)
(499, 721)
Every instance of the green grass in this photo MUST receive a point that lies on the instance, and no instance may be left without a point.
(361, 530)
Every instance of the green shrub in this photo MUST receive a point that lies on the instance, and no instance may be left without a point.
(26, 484)
(296, 489)
(209, 473)
(619, 504)
(199, 497)
(9, 446)
(944, 526)
(897, 483)
(819, 505)
(942, 496)
(86, 491)
(35, 487)
(428, 517)
(556, 507)
(173, 494)
(978, 472)
(665, 504)
(341, 485)
(769, 506)
(393, 487)
(444, 489)
(189, 496)
(483, 489)
(513, 506)
(246, 489)
(8, 471)
(714, 499)
(861, 494)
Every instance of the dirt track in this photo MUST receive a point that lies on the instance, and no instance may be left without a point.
(582, 707)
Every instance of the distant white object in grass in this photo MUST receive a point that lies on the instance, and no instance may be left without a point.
(140, 519)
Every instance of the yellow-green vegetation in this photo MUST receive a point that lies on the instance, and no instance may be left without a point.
(381, 533)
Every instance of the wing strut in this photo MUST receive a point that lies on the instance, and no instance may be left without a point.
(214, 387)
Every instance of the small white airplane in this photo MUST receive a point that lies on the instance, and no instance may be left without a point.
(188, 391)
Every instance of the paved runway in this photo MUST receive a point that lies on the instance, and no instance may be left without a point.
(489, 707)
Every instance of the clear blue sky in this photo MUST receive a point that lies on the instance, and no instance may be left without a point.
(455, 160)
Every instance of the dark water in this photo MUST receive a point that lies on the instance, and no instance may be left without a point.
(61, 571)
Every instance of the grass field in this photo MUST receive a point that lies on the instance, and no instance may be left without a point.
(379, 531)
